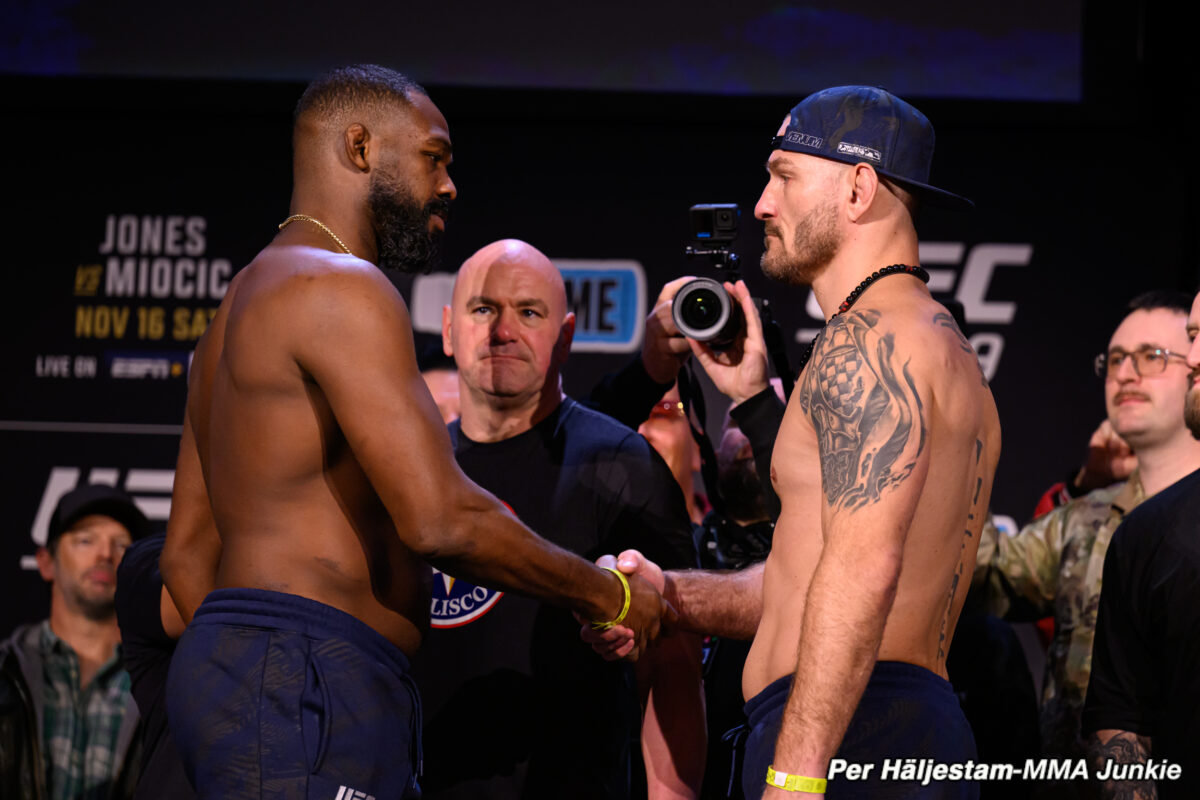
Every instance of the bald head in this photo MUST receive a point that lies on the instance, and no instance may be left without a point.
(511, 256)
(508, 328)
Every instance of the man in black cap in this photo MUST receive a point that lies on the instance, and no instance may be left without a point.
(68, 719)
(883, 466)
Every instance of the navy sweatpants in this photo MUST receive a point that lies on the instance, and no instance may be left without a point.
(273, 695)
(905, 712)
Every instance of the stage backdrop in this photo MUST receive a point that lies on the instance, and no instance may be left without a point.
(133, 203)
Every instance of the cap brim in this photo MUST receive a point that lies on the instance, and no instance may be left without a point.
(930, 195)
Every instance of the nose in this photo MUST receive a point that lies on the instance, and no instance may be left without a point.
(106, 550)
(504, 326)
(446, 189)
(764, 209)
(1193, 355)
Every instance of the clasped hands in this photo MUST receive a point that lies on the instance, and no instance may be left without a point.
(651, 611)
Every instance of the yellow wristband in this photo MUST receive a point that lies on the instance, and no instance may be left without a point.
(603, 626)
(795, 783)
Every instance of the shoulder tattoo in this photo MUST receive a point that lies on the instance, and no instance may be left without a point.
(865, 409)
(947, 321)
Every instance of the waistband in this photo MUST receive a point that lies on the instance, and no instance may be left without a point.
(888, 678)
(262, 608)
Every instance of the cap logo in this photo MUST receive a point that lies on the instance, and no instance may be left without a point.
(804, 139)
(858, 151)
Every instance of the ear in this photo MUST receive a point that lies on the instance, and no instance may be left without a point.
(864, 184)
(358, 143)
(447, 346)
(565, 336)
(45, 563)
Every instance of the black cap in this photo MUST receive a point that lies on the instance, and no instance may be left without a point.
(96, 498)
(854, 124)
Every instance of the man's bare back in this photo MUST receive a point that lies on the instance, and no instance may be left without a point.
(896, 339)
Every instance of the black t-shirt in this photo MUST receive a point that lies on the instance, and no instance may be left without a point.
(1146, 658)
(146, 650)
(516, 705)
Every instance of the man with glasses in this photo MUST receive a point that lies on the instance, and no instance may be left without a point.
(1054, 564)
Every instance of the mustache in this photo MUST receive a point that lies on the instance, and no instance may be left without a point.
(770, 229)
(442, 206)
(1126, 395)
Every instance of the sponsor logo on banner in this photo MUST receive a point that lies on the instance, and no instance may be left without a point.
(456, 603)
(140, 366)
(609, 301)
(607, 296)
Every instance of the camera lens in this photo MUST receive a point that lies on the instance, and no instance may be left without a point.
(704, 311)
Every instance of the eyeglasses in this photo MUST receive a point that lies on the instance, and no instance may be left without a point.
(668, 409)
(1147, 361)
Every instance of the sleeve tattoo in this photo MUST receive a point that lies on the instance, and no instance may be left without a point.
(865, 409)
(1123, 748)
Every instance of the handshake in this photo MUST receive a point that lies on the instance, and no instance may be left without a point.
(651, 611)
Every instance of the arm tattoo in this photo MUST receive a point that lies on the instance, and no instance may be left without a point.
(865, 410)
(1123, 748)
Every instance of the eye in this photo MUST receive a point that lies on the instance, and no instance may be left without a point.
(530, 313)
(481, 310)
(1153, 356)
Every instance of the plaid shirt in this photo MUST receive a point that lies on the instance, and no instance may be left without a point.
(80, 727)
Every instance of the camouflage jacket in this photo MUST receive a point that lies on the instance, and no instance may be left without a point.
(1053, 566)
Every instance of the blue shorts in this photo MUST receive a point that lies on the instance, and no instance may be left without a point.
(273, 695)
(906, 711)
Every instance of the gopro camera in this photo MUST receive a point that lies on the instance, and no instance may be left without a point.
(702, 309)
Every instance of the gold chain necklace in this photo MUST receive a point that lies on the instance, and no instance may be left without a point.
(319, 224)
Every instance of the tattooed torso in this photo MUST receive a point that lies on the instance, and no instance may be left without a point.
(890, 403)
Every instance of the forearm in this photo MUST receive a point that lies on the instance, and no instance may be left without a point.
(674, 736)
(481, 541)
(721, 603)
(846, 609)
(1109, 747)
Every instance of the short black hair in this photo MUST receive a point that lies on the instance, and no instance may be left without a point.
(1169, 299)
(356, 86)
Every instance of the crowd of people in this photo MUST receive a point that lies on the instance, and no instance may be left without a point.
(389, 574)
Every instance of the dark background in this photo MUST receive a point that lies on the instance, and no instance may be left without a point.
(588, 136)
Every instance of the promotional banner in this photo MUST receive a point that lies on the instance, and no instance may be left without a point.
(135, 203)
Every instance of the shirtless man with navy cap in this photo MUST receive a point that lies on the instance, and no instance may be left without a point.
(883, 465)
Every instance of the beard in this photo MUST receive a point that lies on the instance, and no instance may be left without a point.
(97, 606)
(403, 239)
(1191, 411)
(814, 245)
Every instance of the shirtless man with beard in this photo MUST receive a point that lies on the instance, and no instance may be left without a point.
(316, 479)
(883, 466)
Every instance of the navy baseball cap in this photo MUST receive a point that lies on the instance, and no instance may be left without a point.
(96, 498)
(864, 124)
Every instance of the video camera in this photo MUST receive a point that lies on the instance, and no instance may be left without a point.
(702, 309)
